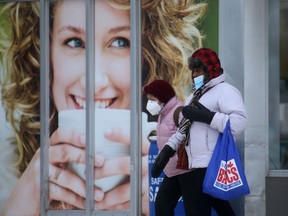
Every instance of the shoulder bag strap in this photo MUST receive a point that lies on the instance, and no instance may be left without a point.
(176, 115)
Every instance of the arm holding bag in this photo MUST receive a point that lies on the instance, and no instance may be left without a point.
(225, 178)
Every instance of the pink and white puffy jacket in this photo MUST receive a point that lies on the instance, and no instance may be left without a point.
(165, 128)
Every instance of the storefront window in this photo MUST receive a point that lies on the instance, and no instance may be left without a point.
(283, 84)
(278, 85)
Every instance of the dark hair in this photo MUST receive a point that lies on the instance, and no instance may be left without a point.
(197, 63)
(160, 89)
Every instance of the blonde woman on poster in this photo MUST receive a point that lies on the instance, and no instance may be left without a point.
(169, 36)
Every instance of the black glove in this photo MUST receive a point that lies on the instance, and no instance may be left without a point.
(161, 160)
(198, 113)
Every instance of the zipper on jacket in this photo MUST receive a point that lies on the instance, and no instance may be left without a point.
(207, 140)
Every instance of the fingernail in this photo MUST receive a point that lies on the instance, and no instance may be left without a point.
(99, 194)
(99, 160)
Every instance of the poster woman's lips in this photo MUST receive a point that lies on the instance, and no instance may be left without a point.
(103, 103)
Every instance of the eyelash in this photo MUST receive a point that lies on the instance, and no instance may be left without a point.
(121, 43)
(74, 41)
(125, 41)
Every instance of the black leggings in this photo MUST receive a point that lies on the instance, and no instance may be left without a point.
(196, 203)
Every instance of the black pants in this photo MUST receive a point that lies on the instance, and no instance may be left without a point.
(168, 195)
(196, 203)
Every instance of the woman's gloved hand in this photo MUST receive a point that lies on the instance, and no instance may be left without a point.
(198, 113)
(162, 159)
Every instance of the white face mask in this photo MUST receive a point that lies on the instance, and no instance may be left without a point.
(153, 107)
(198, 81)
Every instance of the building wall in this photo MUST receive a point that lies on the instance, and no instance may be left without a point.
(243, 47)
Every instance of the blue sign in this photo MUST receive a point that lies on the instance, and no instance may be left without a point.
(154, 183)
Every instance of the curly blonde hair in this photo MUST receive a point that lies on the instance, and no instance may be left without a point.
(21, 77)
(169, 36)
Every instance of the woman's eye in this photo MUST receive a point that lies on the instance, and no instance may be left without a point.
(121, 42)
(75, 43)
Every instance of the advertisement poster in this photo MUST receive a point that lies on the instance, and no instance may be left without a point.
(170, 34)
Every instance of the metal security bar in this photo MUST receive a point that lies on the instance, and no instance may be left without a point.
(136, 106)
(44, 105)
(136, 124)
(136, 120)
(90, 111)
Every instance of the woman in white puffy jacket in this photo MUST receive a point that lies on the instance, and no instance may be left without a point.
(218, 102)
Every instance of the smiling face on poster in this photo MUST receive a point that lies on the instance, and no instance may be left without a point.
(163, 57)
(112, 56)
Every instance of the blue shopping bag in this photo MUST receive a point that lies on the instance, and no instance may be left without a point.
(225, 178)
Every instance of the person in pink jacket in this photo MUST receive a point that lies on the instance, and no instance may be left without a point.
(163, 102)
(216, 103)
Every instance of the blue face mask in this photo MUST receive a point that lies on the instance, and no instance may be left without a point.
(198, 81)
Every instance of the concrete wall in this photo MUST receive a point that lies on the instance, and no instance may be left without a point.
(243, 48)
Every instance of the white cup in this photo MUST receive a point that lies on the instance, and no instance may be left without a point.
(105, 120)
